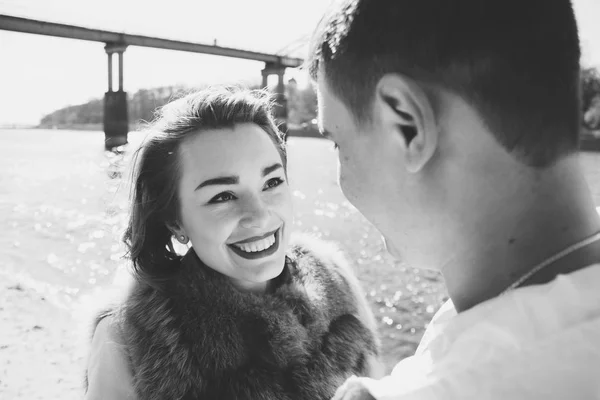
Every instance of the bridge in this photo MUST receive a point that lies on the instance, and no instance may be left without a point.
(116, 124)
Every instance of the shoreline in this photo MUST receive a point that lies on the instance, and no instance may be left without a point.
(589, 140)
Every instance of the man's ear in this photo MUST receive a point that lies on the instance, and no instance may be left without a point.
(408, 113)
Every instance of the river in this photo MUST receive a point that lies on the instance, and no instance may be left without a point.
(63, 203)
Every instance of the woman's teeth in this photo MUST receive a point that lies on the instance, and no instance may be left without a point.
(259, 245)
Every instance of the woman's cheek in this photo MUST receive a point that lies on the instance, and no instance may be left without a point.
(226, 214)
(213, 219)
(281, 200)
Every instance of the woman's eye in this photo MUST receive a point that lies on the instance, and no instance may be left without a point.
(273, 182)
(222, 197)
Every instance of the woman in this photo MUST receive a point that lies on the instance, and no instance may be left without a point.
(243, 314)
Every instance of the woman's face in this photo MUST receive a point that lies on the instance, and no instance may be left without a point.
(236, 205)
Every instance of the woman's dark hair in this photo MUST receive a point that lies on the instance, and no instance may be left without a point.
(154, 199)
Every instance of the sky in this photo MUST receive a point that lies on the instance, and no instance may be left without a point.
(40, 74)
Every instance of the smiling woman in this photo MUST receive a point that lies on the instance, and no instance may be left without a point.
(235, 203)
(243, 314)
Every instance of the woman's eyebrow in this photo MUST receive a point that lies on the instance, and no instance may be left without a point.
(234, 180)
(271, 168)
(222, 180)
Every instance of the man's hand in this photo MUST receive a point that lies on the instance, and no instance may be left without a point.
(352, 389)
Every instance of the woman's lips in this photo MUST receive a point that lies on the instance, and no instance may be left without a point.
(257, 254)
(255, 238)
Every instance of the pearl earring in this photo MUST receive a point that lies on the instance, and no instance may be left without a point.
(182, 239)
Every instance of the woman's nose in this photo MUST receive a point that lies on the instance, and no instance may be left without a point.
(256, 214)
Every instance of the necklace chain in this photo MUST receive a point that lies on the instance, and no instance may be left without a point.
(576, 246)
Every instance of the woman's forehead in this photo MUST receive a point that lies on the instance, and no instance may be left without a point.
(244, 149)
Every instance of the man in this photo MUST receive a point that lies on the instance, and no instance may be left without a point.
(457, 124)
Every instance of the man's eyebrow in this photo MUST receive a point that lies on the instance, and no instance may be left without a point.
(222, 180)
(267, 170)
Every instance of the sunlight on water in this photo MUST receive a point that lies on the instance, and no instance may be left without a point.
(64, 202)
(63, 206)
(64, 199)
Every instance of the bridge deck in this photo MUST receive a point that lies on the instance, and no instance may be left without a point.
(17, 24)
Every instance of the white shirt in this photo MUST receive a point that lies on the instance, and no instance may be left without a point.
(536, 342)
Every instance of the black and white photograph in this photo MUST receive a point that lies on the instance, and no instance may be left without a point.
(299, 200)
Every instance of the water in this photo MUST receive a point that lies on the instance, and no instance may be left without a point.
(60, 211)
(63, 202)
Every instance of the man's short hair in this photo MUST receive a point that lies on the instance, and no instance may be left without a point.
(515, 61)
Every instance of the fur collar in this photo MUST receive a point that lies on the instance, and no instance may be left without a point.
(200, 338)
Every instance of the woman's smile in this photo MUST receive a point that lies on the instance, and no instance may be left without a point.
(236, 204)
(257, 246)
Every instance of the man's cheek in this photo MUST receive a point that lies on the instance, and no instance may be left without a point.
(344, 184)
(349, 184)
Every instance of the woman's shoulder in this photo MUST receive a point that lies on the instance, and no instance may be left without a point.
(107, 337)
(328, 255)
(323, 252)
(108, 368)
(324, 263)
(107, 327)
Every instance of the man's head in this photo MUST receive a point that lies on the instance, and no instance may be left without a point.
(436, 104)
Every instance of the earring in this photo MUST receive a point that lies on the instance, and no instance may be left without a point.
(182, 239)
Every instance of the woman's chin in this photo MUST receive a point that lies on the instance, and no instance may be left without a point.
(273, 270)
(260, 280)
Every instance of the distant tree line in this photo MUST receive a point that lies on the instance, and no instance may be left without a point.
(301, 103)
(590, 98)
(143, 104)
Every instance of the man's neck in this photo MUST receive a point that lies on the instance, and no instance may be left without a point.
(539, 222)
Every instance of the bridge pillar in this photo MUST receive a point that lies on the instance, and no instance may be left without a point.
(280, 110)
(116, 125)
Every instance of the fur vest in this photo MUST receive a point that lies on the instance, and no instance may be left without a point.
(201, 339)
